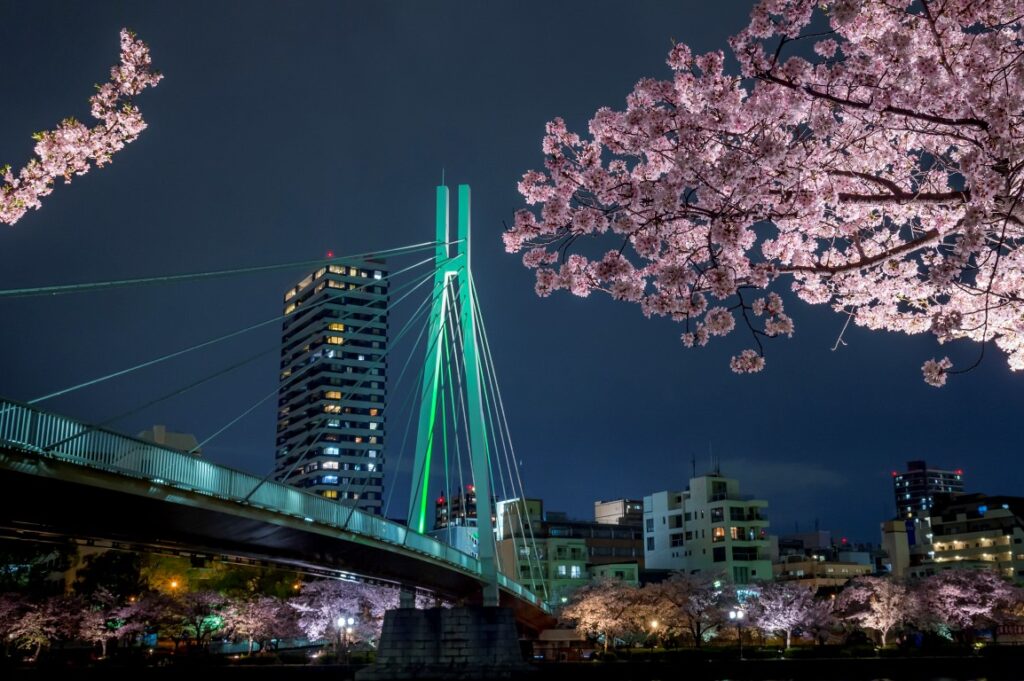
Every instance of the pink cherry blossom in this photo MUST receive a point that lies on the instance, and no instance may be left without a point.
(876, 167)
(72, 147)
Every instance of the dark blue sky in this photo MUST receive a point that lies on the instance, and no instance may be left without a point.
(283, 130)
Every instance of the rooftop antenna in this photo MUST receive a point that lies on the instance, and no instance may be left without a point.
(693, 463)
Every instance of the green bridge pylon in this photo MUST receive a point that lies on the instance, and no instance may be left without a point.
(452, 273)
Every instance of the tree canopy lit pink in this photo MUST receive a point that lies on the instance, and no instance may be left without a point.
(868, 155)
(72, 147)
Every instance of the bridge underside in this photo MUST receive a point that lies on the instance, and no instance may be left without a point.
(44, 498)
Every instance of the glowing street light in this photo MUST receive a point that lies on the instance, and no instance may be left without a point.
(737, 615)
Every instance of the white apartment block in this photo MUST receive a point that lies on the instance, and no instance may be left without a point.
(708, 529)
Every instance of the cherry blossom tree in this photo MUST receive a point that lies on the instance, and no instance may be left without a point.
(820, 621)
(783, 607)
(962, 600)
(687, 604)
(323, 603)
(72, 148)
(199, 615)
(258, 619)
(39, 624)
(608, 608)
(150, 611)
(878, 603)
(869, 155)
(98, 620)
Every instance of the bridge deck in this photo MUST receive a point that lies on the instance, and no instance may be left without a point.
(60, 475)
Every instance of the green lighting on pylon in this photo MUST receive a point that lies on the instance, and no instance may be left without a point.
(455, 268)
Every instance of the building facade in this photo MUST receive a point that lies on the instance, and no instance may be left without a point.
(184, 442)
(977, 531)
(331, 424)
(619, 512)
(553, 555)
(914, 489)
(708, 528)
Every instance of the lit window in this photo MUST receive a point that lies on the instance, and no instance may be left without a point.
(329, 479)
(575, 572)
(372, 453)
(374, 412)
(718, 534)
(377, 274)
(374, 425)
(371, 467)
(333, 423)
(330, 465)
(336, 326)
(562, 571)
(353, 272)
(332, 408)
(290, 309)
(329, 493)
(336, 340)
(333, 395)
(362, 358)
(331, 451)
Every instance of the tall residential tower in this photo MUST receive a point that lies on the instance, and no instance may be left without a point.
(330, 428)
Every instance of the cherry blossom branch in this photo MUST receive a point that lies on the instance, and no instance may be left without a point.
(72, 148)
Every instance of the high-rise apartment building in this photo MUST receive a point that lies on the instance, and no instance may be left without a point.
(331, 424)
(915, 489)
(710, 529)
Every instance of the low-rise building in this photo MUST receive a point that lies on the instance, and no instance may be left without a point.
(184, 442)
(553, 555)
(619, 512)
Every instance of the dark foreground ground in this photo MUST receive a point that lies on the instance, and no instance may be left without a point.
(858, 669)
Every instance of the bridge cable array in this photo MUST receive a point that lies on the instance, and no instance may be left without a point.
(454, 420)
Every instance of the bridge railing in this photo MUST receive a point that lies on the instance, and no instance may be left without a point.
(51, 435)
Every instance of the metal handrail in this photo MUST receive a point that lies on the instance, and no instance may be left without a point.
(60, 437)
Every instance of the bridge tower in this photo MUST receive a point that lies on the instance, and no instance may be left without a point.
(452, 288)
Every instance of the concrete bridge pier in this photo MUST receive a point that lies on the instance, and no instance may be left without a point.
(470, 642)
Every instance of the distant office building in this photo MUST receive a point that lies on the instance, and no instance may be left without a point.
(914, 490)
(331, 427)
(619, 512)
(710, 529)
(185, 442)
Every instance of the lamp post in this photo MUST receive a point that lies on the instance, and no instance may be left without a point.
(344, 631)
(654, 633)
(737, 615)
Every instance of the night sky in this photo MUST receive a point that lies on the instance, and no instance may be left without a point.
(283, 130)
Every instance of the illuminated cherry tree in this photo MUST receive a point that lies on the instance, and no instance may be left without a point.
(878, 603)
(607, 608)
(258, 619)
(324, 603)
(687, 604)
(72, 148)
(962, 600)
(783, 607)
(869, 156)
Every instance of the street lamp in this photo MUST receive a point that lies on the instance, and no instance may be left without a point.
(654, 633)
(346, 632)
(737, 615)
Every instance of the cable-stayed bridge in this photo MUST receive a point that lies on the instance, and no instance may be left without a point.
(65, 478)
